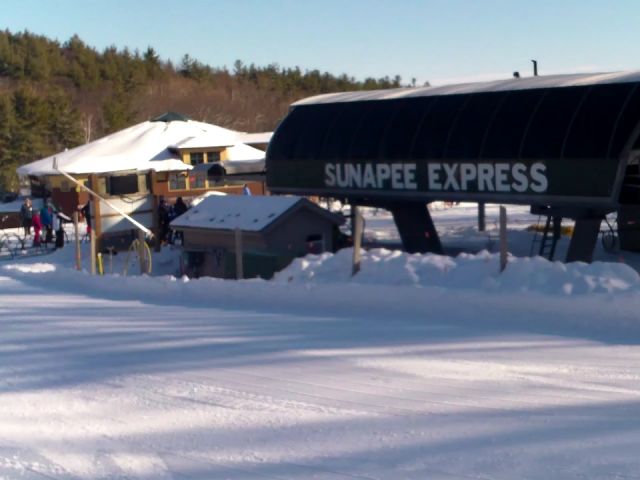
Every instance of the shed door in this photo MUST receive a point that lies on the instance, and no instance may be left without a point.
(215, 263)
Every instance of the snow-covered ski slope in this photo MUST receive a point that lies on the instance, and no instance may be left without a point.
(422, 367)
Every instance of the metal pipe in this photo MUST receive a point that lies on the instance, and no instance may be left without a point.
(112, 206)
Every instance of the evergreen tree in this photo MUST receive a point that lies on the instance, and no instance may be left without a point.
(118, 111)
(64, 128)
(152, 64)
(36, 65)
(7, 163)
(55, 96)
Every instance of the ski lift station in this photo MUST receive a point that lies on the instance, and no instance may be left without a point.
(567, 145)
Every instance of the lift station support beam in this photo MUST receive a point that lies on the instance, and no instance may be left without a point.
(416, 227)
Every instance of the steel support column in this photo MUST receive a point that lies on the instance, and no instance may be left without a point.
(416, 228)
(583, 240)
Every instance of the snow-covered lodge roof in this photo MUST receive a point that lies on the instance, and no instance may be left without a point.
(244, 212)
(150, 145)
(259, 138)
(242, 152)
(224, 139)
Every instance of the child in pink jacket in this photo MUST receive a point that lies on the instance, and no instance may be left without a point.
(37, 227)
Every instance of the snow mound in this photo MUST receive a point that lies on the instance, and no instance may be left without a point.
(32, 267)
(467, 271)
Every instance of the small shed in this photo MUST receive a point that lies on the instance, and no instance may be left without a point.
(272, 231)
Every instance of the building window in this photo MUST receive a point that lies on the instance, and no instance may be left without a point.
(197, 180)
(177, 181)
(144, 183)
(196, 158)
(315, 244)
(213, 157)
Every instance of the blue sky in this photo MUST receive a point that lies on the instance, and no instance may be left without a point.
(441, 41)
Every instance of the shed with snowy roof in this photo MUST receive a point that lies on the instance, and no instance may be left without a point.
(273, 230)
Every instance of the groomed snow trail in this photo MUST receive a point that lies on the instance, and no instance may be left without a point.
(94, 386)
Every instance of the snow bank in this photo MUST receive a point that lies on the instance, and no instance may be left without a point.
(467, 271)
(532, 293)
(386, 268)
(383, 268)
(379, 268)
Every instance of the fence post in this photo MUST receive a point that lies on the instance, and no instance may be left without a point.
(357, 223)
(92, 238)
(503, 238)
(78, 252)
(482, 226)
(239, 265)
(142, 252)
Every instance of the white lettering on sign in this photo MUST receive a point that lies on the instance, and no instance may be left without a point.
(433, 169)
(397, 176)
(468, 172)
(410, 176)
(540, 182)
(487, 177)
(520, 180)
(452, 177)
(450, 181)
(502, 179)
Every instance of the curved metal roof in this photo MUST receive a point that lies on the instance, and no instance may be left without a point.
(579, 125)
(528, 83)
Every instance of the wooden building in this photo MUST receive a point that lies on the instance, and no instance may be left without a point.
(273, 230)
(138, 166)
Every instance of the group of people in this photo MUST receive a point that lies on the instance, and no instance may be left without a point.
(46, 218)
(166, 213)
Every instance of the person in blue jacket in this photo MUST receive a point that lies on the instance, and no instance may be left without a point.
(46, 218)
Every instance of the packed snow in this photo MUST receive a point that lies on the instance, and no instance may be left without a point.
(418, 367)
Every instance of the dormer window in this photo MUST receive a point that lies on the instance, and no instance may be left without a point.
(196, 158)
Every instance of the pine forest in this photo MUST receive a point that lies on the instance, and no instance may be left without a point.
(59, 95)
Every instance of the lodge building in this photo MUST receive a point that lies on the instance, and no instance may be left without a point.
(167, 157)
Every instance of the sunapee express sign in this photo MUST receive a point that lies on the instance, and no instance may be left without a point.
(536, 181)
(440, 177)
(540, 141)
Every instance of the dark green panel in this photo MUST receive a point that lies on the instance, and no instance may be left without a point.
(550, 124)
(536, 146)
(626, 123)
(509, 125)
(431, 139)
(401, 132)
(593, 125)
(468, 132)
(558, 177)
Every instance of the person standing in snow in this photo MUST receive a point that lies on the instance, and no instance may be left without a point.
(26, 215)
(58, 226)
(180, 207)
(37, 226)
(46, 219)
(163, 221)
(246, 190)
(85, 210)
